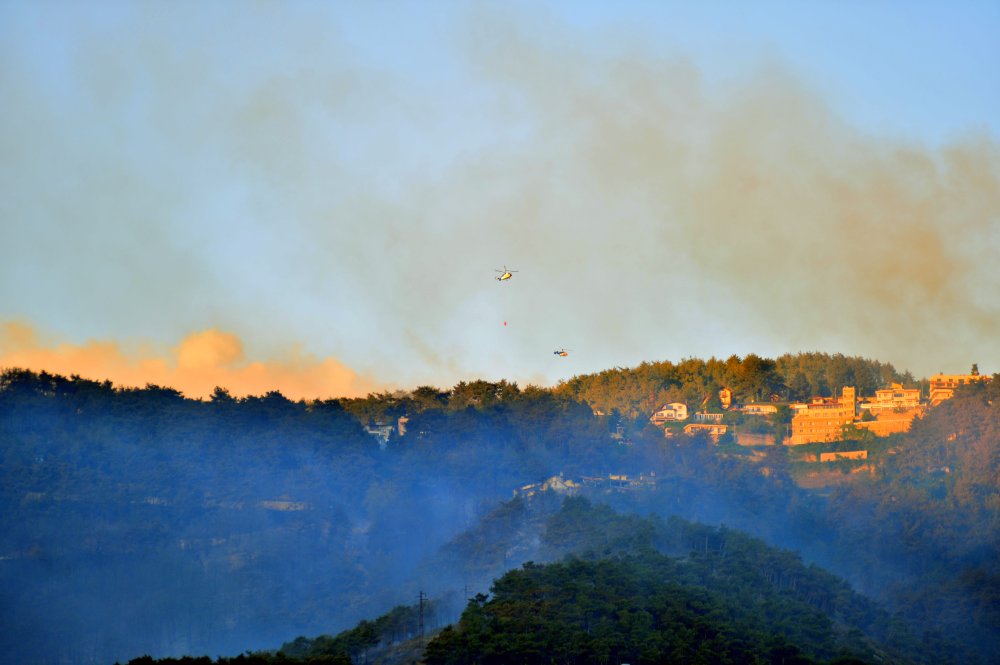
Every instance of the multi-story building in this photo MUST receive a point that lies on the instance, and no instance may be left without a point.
(824, 420)
(894, 408)
(943, 385)
(713, 430)
(760, 409)
(726, 398)
(669, 412)
(896, 398)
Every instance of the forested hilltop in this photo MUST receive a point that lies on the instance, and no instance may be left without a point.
(628, 589)
(632, 589)
(137, 521)
(637, 391)
(634, 393)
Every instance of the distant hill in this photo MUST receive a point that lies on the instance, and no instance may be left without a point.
(636, 392)
(935, 506)
(137, 521)
(645, 589)
(634, 609)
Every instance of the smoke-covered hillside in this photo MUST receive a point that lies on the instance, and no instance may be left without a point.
(625, 588)
(137, 521)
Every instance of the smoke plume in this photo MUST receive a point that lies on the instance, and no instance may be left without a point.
(361, 204)
(202, 361)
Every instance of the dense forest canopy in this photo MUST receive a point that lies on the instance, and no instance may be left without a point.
(638, 391)
(138, 521)
(635, 392)
(630, 589)
(760, 591)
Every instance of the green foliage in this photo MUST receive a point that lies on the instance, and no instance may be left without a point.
(249, 658)
(638, 391)
(399, 624)
(762, 591)
(105, 490)
(629, 609)
(936, 508)
(131, 483)
(783, 416)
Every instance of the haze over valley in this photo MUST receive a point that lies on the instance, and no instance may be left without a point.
(463, 333)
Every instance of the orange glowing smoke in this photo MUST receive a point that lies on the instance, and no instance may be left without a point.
(202, 361)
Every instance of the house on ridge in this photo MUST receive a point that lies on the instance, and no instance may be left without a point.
(669, 413)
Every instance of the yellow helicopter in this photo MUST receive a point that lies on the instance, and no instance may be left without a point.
(505, 274)
(562, 353)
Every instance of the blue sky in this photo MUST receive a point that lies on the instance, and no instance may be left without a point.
(336, 182)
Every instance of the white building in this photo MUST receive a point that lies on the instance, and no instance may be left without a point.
(760, 409)
(669, 413)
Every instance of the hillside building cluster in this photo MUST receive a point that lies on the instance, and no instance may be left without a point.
(824, 419)
(613, 482)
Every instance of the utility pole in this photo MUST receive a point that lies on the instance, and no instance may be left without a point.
(420, 625)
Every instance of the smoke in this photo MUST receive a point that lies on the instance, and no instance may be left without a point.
(755, 208)
(360, 202)
(202, 361)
